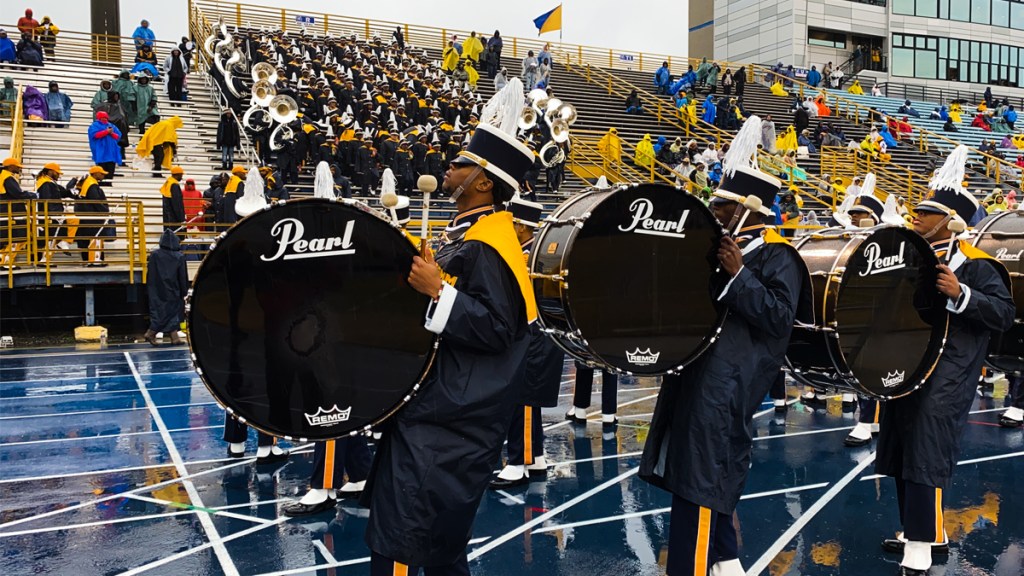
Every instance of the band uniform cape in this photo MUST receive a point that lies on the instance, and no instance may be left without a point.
(920, 433)
(701, 434)
(435, 461)
(166, 284)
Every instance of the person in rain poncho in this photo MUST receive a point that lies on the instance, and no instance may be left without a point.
(472, 48)
(58, 105)
(709, 111)
(145, 102)
(768, 134)
(103, 143)
(166, 286)
(102, 94)
(124, 85)
(702, 71)
(787, 141)
(663, 78)
(449, 58)
(500, 79)
(644, 154)
(610, 146)
(530, 67)
(778, 90)
(160, 142)
(855, 88)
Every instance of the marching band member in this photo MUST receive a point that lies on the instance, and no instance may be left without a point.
(541, 373)
(434, 461)
(920, 433)
(700, 437)
(331, 460)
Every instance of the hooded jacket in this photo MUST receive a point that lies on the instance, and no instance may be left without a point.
(167, 284)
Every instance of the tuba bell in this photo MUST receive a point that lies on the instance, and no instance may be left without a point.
(551, 154)
(568, 113)
(528, 120)
(280, 135)
(264, 72)
(263, 92)
(283, 109)
(257, 119)
(559, 130)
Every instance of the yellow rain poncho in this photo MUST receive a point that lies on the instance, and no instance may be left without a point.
(778, 90)
(162, 133)
(954, 112)
(787, 141)
(610, 146)
(472, 48)
(473, 75)
(450, 59)
(690, 113)
(644, 155)
(855, 88)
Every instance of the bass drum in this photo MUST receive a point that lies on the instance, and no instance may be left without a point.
(622, 278)
(302, 324)
(1001, 236)
(879, 323)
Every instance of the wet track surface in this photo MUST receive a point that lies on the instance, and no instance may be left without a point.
(89, 484)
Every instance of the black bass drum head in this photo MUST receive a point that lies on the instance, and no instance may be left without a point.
(301, 321)
(1001, 235)
(639, 276)
(890, 319)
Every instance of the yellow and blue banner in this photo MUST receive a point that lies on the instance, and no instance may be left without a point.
(549, 21)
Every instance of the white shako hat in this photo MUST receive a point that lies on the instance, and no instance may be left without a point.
(741, 177)
(525, 212)
(494, 146)
(948, 195)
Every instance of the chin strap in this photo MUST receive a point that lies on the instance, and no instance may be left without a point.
(942, 224)
(462, 187)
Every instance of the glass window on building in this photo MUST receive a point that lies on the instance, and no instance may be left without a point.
(1003, 13)
(929, 57)
(827, 38)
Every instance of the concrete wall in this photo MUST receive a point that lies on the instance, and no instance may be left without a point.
(702, 41)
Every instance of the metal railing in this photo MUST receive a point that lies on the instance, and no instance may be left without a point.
(994, 167)
(293, 20)
(941, 96)
(99, 49)
(18, 127)
(891, 178)
(665, 112)
(37, 240)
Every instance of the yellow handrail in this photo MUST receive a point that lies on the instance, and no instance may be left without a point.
(18, 127)
(848, 163)
(861, 113)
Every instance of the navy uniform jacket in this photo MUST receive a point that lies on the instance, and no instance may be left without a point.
(920, 433)
(701, 435)
(435, 461)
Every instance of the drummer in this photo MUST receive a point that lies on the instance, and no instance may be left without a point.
(690, 451)
(919, 442)
(541, 373)
(332, 459)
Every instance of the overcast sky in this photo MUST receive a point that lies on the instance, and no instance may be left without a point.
(655, 27)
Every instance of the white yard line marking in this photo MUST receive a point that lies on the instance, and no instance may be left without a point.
(61, 395)
(550, 514)
(65, 414)
(71, 380)
(791, 532)
(226, 563)
(515, 499)
(325, 552)
(804, 433)
(598, 412)
(217, 511)
(960, 463)
(97, 523)
(118, 435)
(343, 563)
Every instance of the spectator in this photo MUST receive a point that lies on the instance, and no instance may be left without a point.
(102, 95)
(8, 97)
(949, 126)
(92, 217)
(530, 65)
(790, 212)
(955, 110)
(633, 104)
(187, 49)
(228, 138)
(46, 34)
(126, 88)
(813, 77)
(981, 121)
(500, 79)
(702, 71)
(855, 88)
(172, 201)
(876, 90)
(545, 54)
(987, 96)
(456, 44)
(937, 114)
(8, 51)
(768, 134)
(176, 69)
(145, 103)
(143, 36)
(908, 109)
(836, 78)
(460, 76)
(103, 137)
(213, 198)
(398, 37)
(801, 119)
(787, 142)
(709, 111)
(10, 189)
(644, 154)
(740, 80)
(490, 62)
(30, 53)
(116, 116)
(610, 147)
(497, 44)
(145, 55)
(712, 79)
(58, 105)
(27, 24)
(1010, 116)
(804, 140)
(998, 204)
(160, 142)
(472, 49)
(663, 78)
(166, 285)
(544, 74)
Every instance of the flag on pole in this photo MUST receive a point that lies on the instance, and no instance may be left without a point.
(549, 21)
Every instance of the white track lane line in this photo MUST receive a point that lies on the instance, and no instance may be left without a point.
(180, 506)
(780, 544)
(97, 523)
(325, 552)
(960, 463)
(72, 380)
(605, 519)
(226, 563)
(492, 544)
(76, 395)
(118, 435)
(515, 499)
(598, 412)
(66, 414)
(343, 563)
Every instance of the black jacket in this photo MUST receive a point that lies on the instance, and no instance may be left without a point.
(227, 133)
(166, 284)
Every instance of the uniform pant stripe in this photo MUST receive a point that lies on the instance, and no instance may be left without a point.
(878, 410)
(527, 435)
(400, 570)
(700, 553)
(329, 464)
(939, 531)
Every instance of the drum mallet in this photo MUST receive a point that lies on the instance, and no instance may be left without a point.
(425, 184)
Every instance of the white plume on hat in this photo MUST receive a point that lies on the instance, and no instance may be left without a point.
(253, 200)
(505, 108)
(951, 174)
(323, 184)
(744, 145)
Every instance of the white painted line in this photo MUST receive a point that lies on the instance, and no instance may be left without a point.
(97, 523)
(491, 545)
(804, 433)
(598, 412)
(200, 548)
(61, 395)
(325, 552)
(70, 380)
(253, 504)
(318, 567)
(180, 506)
(772, 409)
(597, 390)
(515, 499)
(657, 511)
(990, 458)
(120, 435)
(223, 557)
(53, 353)
(65, 414)
(791, 532)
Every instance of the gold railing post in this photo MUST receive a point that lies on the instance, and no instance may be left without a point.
(579, 54)
(641, 61)
(515, 47)
(238, 15)
(327, 26)
(610, 61)
(366, 25)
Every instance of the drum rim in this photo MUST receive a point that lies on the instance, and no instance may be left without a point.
(193, 358)
(941, 338)
(707, 341)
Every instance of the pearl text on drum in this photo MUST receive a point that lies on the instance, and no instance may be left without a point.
(292, 246)
(642, 223)
(1006, 255)
(878, 264)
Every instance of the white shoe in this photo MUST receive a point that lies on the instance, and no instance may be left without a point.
(512, 472)
(352, 487)
(727, 568)
(608, 419)
(849, 398)
(315, 496)
(779, 403)
(995, 377)
(540, 464)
